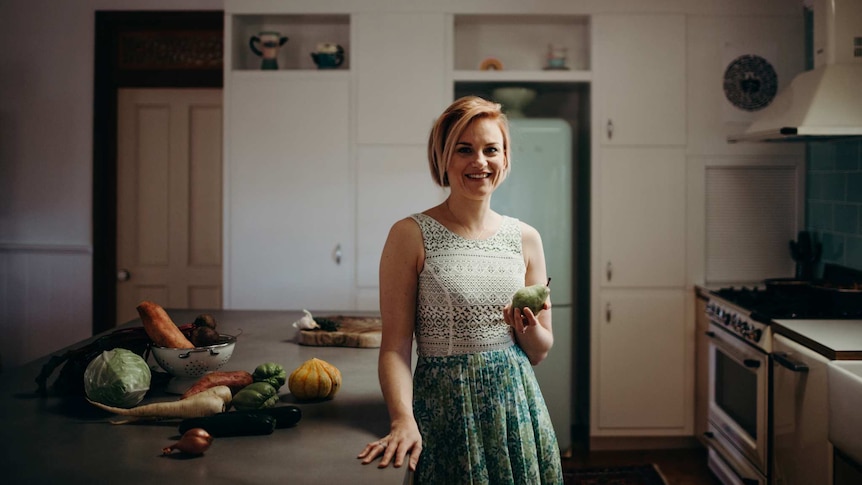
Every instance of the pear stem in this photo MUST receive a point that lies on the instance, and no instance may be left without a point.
(549, 281)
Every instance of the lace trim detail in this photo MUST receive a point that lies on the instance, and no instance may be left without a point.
(463, 288)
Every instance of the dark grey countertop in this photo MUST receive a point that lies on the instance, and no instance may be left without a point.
(67, 440)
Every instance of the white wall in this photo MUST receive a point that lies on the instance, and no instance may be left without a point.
(46, 132)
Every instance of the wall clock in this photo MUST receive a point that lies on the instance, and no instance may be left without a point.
(750, 82)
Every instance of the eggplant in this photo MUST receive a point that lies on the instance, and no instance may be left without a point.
(245, 423)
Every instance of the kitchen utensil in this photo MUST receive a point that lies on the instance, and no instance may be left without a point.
(188, 365)
(806, 253)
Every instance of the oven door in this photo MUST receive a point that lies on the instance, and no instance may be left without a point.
(738, 395)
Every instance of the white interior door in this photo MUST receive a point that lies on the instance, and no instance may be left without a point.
(169, 199)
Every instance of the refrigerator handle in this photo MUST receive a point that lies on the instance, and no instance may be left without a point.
(610, 129)
(608, 312)
(609, 271)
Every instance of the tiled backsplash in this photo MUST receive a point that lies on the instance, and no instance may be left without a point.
(833, 200)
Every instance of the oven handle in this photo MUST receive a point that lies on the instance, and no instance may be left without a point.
(748, 362)
(785, 360)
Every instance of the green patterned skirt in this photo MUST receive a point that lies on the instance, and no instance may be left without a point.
(483, 421)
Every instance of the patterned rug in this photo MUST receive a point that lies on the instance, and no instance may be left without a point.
(624, 475)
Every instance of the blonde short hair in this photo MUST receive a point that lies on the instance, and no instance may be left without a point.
(451, 125)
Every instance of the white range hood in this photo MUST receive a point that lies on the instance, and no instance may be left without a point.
(825, 102)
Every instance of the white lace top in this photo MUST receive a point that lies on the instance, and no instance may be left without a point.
(463, 288)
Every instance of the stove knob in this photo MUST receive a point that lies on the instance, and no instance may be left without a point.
(757, 333)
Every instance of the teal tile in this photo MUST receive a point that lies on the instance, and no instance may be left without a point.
(853, 252)
(827, 186)
(846, 218)
(854, 187)
(819, 215)
(833, 248)
(821, 156)
(848, 155)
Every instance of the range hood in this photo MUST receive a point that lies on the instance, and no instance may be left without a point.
(825, 102)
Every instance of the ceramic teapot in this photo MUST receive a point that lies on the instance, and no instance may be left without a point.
(269, 43)
(328, 55)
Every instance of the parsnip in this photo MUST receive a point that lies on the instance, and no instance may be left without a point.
(212, 401)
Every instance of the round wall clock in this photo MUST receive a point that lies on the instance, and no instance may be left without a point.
(750, 82)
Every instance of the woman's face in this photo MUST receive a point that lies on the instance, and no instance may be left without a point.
(478, 161)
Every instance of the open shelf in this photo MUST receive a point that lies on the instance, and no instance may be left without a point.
(521, 43)
(304, 32)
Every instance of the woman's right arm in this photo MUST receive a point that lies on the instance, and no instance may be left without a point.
(400, 264)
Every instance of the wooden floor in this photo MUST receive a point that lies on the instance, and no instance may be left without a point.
(679, 467)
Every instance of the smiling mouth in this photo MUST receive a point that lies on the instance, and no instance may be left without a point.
(478, 176)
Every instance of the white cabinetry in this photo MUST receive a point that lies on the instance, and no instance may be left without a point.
(642, 200)
(639, 74)
(289, 230)
(400, 91)
(641, 361)
(400, 80)
(642, 382)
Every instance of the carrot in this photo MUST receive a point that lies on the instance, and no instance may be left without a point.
(207, 403)
(235, 380)
(160, 328)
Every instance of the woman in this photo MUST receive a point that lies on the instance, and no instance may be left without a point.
(473, 412)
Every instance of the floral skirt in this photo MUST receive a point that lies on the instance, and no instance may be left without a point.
(483, 421)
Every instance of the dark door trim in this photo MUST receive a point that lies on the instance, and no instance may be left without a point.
(113, 29)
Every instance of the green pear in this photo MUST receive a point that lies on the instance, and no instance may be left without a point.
(531, 296)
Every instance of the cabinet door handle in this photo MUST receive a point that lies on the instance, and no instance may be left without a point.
(337, 254)
(709, 434)
(124, 275)
(786, 361)
(608, 312)
(610, 129)
(609, 271)
(751, 363)
(709, 333)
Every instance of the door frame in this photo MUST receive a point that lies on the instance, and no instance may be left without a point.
(109, 76)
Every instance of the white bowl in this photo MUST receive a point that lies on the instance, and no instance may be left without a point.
(188, 365)
(514, 99)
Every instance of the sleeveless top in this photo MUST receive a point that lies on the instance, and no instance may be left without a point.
(463, 288)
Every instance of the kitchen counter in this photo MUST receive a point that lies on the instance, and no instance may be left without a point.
(67, 440)
(834, 339)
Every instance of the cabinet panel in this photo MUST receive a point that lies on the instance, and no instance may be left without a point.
(289, 192)
(399, 61)
(642, 200)
(387, 173)
(639, 73)
(640, 375)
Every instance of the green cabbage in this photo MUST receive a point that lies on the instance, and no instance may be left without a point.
(118, 378)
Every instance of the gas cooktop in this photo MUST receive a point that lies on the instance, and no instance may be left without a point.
(836, 295)
(766, 304)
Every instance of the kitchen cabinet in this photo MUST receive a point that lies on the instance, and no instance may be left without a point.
(640, 363)
(639, 75)
(642, 217)
(801, 451)
(642, 377)
(289, 230)
(400, 83)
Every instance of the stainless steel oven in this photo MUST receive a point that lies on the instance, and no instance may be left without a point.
(739, 388)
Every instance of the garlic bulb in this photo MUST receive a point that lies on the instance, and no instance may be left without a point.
(306, 323)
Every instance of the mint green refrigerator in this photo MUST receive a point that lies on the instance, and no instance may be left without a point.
(539, 191)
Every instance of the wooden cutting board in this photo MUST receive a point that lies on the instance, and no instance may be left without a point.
(364, 332)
